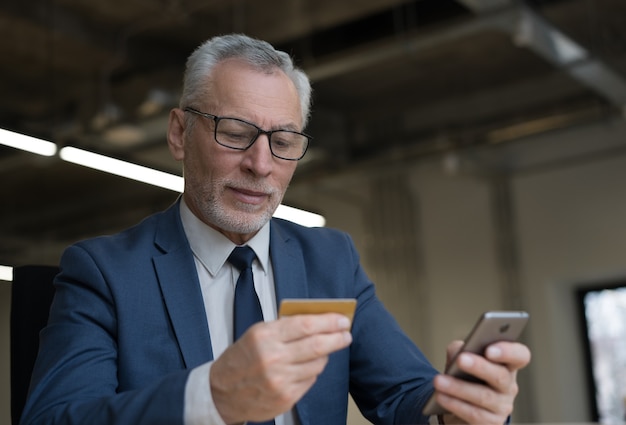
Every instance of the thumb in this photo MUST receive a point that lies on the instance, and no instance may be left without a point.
(452, 349)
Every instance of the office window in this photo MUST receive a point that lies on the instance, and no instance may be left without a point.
(604, 314)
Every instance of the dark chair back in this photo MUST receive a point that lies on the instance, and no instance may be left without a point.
(31, 296)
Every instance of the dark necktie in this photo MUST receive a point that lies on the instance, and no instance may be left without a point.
(247, 309)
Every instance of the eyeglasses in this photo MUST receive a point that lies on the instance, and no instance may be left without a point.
(239, 134)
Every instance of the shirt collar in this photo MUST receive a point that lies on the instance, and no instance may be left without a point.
(212, 248)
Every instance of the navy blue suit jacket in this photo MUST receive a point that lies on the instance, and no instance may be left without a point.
(128, 324)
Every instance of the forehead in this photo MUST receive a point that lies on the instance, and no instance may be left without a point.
(265, 97)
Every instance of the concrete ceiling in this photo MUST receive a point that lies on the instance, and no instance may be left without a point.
(392, 79)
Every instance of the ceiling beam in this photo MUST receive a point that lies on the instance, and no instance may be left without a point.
(535, 33)
(527, 28)
(373, 54)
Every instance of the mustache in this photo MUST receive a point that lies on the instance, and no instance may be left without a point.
(249, 185)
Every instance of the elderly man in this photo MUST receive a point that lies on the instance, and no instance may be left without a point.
(167, 323)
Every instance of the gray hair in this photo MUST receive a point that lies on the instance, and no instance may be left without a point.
(257, 53)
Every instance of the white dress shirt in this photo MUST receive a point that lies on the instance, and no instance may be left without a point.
(217, 281)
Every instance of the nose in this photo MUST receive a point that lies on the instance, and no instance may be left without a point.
(258, 158)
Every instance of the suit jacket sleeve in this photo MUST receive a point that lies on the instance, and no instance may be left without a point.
(384, 371)
(83, 374)
(390, 379)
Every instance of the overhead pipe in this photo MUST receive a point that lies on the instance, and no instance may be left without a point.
(527, 29)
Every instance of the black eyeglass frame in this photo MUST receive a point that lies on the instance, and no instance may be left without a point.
(260, 131)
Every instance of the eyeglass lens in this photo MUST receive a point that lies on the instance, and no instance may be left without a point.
(238, 134)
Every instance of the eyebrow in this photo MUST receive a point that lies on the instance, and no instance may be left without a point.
(288, 127)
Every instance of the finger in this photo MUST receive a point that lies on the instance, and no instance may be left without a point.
(464, 412)
(452, 350)
(264, 342)
(316, 346)
(467, 414)
(499, 366)
(512, 354)
(306, 373)
(461, 396)
(497, 376)
(300, 326)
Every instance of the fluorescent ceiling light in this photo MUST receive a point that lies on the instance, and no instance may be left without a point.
(6, 273)
(122, 168)
(168, 181)
(27, 143)
(302, 217)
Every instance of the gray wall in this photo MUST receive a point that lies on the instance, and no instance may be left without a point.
(515, 226)
(505, 227)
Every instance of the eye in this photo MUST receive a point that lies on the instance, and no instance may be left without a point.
(235, 135)
(235, 132)
(283, 140)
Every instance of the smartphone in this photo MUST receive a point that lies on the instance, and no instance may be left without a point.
(492, 326)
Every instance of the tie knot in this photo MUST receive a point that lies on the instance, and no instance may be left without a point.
(242, 257)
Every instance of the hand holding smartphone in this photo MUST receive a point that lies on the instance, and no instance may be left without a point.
(491, 327)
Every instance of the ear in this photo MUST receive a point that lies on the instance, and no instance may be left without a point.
(175, 131)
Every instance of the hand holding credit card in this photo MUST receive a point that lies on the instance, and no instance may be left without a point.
(293, 306)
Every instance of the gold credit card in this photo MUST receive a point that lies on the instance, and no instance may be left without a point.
(293, 306)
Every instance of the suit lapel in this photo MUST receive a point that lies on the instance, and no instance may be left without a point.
(288, 263)
(180, 287)
(179, 284)
(290, 281)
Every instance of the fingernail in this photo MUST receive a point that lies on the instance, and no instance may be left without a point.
(348, 337)
(494, 352)
(465, 360)
(443, 381)
(344, 323)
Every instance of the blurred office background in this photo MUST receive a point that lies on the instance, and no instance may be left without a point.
(474, 149)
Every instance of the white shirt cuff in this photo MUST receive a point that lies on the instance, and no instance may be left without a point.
(199, 406)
